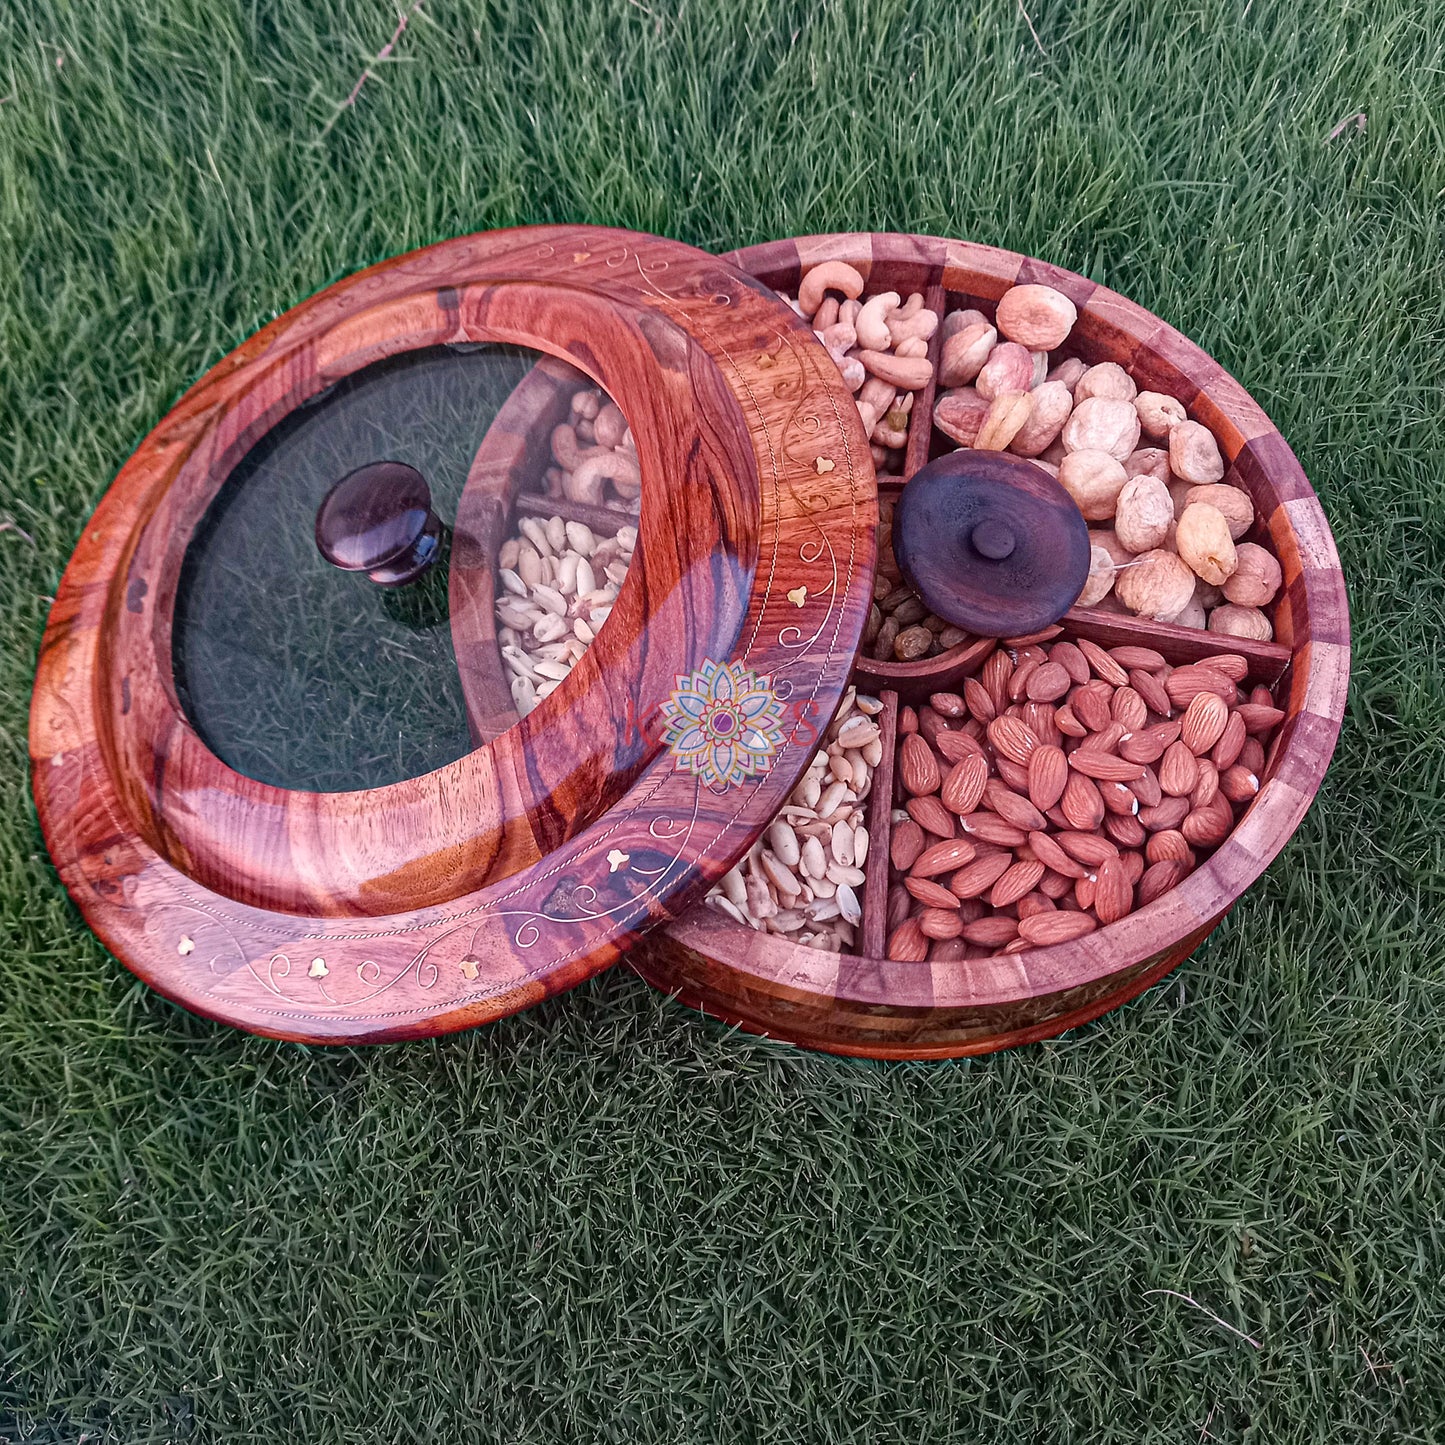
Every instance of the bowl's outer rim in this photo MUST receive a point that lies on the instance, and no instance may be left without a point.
(1319, 678)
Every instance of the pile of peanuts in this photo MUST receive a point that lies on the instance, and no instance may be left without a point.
(558, 583)
(803, 879)
(900, 628)
(1064, 787)
(1174, 551)
(595, 459)
(880, 344)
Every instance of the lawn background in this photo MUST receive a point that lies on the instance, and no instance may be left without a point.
(608, 1220)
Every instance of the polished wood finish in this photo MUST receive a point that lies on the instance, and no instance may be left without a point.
(460, 896)
(991, 542)
(865, 1005)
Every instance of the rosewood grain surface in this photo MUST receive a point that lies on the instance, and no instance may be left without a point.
(865, 1005)
(461, 896)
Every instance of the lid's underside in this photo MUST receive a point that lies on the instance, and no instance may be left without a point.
(448, 899)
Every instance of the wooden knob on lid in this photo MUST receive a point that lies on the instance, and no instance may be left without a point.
(379, 520)
(991, 543)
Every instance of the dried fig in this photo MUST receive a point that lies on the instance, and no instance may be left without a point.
(1237, 506)
(1052, 404)
(1108, 379)
(1143, 513)
(959, 414)
(1104, 424)
(1100, 579)
(1158, 413)
(1235, 621)
(1256, 578)
(1203, 541)
(1036, 316)
(1009, 368)
(1156, 585)
(1094, 480)
(1194, 454)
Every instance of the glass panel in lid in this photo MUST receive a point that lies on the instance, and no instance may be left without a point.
(306, 654)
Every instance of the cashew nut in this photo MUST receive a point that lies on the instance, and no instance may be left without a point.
(878, 394)
(586, 403)
(849, 310)
(872, 323)
(830, 276)
(909, 372)
(903, 326)
(827, 314)
(840, 339)
(853, 372)
(911, 346)
(585, 483)
(564, 446)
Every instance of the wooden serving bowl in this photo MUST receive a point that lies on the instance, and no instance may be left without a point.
(863, 1004)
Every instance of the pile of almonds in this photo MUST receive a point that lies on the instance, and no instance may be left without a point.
(595, 459)
(880, 344)
(803, 879)
(900, 628)
(1174, 551)
(558, 583)
(1063, 788)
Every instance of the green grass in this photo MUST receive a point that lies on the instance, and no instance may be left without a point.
(608, 1220)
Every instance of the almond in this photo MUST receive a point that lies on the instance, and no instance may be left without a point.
(947, 704)
(939, 923)
(907, 943)
(1014, 882)
(1048, 776)
(1012, 739)
(1179, 771)
(905, 845)
(1159, 878)
(1203, 722)
(1047, 850)
(994, 675)
(1107, 767)
(991, 932)
(1055, 885)
(1032, 903)
(931, 816)
(1170, 845)
(1207, 786)
(1129, 708)
(1018, 681)
(1048, 683)
(907, 721)
(1232, 665)
(1119, 798)
(1081, 803)
(1104, 665)
(1131, 657)
(1091, 705)
(1259, 719)
(1168, 814)
(1184, 684)
(929, 893)
(1152, 690)
(1011, 807)
(1146, 788)
(1145, 746)
(1113, 893)
(976, 698)
(917, 766)
(943, 858)
(1238, 784)
(1016, 775)
(1106, 740)
(1209, 826)
(992, 829)
(955, 745)
(1043, 929)
(979, 876)
(1127, 831)
(1087, 848)
(1231, 742)
(964, 785)
(1068, 723)
(1084, 891)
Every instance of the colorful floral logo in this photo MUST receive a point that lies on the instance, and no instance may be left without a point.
(723, 723)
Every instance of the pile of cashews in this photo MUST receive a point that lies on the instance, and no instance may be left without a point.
(596, 461)
(879, 344)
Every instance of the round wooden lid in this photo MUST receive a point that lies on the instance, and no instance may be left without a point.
(246, 845)
(991, 543)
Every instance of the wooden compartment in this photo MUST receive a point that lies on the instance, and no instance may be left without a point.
(864, 1004)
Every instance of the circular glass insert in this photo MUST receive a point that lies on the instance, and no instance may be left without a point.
(294, 670)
